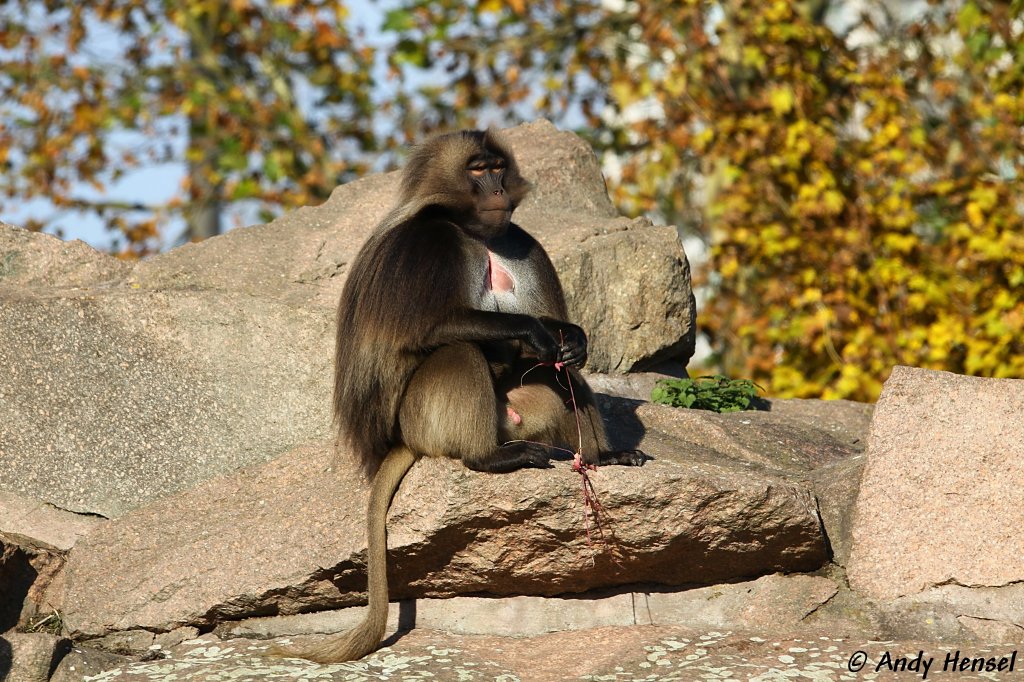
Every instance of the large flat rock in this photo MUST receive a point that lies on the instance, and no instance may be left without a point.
(113, 398)
(943, 488)
(288, 536)
(778, 601)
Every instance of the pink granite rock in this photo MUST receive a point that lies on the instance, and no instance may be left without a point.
(942, 495)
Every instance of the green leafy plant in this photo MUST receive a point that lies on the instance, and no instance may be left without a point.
(715, 393)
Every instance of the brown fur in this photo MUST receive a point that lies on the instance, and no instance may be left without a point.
(428, 359)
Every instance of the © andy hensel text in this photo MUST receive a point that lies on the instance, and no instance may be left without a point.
(922, 664)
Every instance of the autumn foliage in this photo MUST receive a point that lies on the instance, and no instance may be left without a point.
(254, 99)
(864, 208)
(862, 201)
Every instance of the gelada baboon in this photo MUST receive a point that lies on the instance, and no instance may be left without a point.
(446, 310)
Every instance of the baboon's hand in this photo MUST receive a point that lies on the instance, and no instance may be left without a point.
(572, 349)
(542, 341)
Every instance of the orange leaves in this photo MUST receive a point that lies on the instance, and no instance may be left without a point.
(254, 99)
(326, 37)
(518, 7)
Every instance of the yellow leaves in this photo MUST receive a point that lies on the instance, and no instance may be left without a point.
(944, 336)
(490, 6)
(754, 58)
(808, 296)
(820, 197)
(987, 248)
(901, 243)
(918, 137)
(774, 240)
(808, 276)
(928, 291)
(801, 138)
(985, 197)
(833, 202)
(674, 83)
(778, 11)
(893, 203)
(821, 320)
(851, 376)
(772, 233)
(975, 214)
(969, 18)
(743, 235)
(890, 272)
(888, 134)
(983, 107)
(1006, 102)
(960, 231)
(781, 99)
(862, 231)
(917, 302)
(703, 138)
(729, 267)
(1004, 301)
(786, 381)
(624, 92)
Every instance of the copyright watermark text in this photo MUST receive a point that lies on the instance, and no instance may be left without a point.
(923, 664)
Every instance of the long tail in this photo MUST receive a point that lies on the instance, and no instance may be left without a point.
(365, 637)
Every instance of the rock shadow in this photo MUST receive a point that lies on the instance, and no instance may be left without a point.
(17, 575)
(625, 430)
(6, 659)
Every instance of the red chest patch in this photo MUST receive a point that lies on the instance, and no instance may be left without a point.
(498, 278)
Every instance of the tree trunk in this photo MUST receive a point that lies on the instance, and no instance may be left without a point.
(202, 217)
(203, 214)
